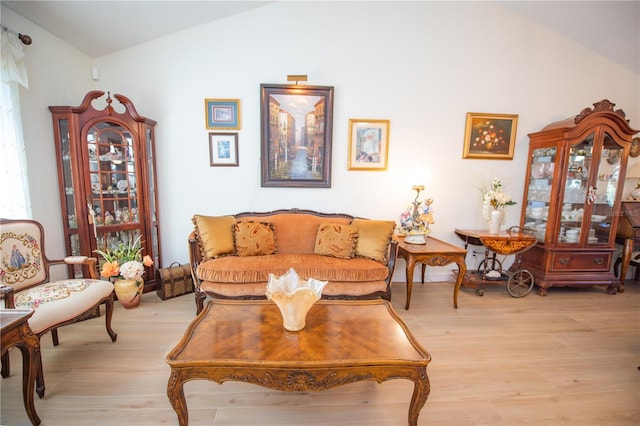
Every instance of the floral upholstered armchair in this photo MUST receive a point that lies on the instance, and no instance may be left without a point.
(25, 274)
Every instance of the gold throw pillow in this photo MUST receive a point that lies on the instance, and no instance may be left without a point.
(214, 235)
(336, 240)
(254, 238)
(374, 237)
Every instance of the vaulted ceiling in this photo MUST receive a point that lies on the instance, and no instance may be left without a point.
(610, 28)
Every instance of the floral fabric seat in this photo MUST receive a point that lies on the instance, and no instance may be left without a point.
(25, 274)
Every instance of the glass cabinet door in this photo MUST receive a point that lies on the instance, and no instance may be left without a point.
(152, 207)
(112, 174)
(542, 170)
(589, 195)
(604, 192)
(576, 189)
(67, 168)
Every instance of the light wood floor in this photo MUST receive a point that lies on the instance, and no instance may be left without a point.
(570, 358)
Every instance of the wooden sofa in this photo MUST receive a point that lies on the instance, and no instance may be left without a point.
(232, 256)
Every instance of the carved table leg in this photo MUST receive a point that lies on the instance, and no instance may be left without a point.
(411, 264)
(6, 368)
(626, 258)
(175, 392)
(39, 377)
(462, 270)
(421, 391)
(30, 363)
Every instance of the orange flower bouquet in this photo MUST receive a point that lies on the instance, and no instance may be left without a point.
(125, 261)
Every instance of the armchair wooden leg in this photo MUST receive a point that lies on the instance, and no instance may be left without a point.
(108, 315)
(54, 336)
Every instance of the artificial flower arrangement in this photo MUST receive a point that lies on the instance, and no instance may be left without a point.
(417, 217)
(125, 261)
(493, 198)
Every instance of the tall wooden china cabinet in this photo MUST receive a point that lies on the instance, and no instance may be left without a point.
(572, 197)
(107, 177)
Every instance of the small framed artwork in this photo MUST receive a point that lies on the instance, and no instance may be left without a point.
(222, 114)
(296, 135)
(368, 144)
(223, 149)
(490, 136)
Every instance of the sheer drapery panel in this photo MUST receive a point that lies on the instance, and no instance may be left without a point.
(14, 191)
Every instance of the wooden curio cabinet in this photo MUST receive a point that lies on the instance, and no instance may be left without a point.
(107, 176)
(572, 196)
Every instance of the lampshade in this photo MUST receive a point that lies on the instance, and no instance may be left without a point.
(418, 176)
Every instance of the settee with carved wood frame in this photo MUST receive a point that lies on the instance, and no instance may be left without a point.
(232, 256)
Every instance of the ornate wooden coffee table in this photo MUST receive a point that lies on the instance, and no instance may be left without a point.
(343, 342)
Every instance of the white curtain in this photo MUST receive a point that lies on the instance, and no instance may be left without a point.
(14, 186)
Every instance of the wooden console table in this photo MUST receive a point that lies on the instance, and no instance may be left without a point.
(15, 331)
(434, 253)
(244, 340)
(628, 235)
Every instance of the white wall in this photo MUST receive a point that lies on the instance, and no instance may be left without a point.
(422, 65)
(58, 75)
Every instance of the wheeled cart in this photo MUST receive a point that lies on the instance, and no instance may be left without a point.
(515, 240)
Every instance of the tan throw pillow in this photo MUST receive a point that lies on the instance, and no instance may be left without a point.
(336, 240)
(254, 238)
(374, 237)
(214, 235)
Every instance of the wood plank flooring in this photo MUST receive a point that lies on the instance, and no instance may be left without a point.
(570, 358)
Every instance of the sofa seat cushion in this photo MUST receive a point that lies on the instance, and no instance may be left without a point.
(234, 269)
(258, 289)
(61, 301)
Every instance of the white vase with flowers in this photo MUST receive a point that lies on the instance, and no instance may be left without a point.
(494, 200)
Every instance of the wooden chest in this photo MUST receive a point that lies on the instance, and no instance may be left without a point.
(174, 281)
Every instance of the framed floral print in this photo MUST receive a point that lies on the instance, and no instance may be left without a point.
(296, 135)
(368, 144)
(490, 136)
(223, 149)
(222, 114)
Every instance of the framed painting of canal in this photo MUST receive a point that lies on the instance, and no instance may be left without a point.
(296, 132)
(490, 136)
(222, 114)
(368, 144)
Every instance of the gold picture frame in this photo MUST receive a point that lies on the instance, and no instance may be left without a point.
(490, 136)
(368, 144)
(222, 114)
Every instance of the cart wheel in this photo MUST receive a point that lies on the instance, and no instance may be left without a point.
(492, 265)
(479, 292)
(520, 283)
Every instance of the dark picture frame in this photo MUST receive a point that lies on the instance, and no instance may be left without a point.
(296, 135)
(368, 144)
(490, 136)
(222, 114)
(223, 149)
